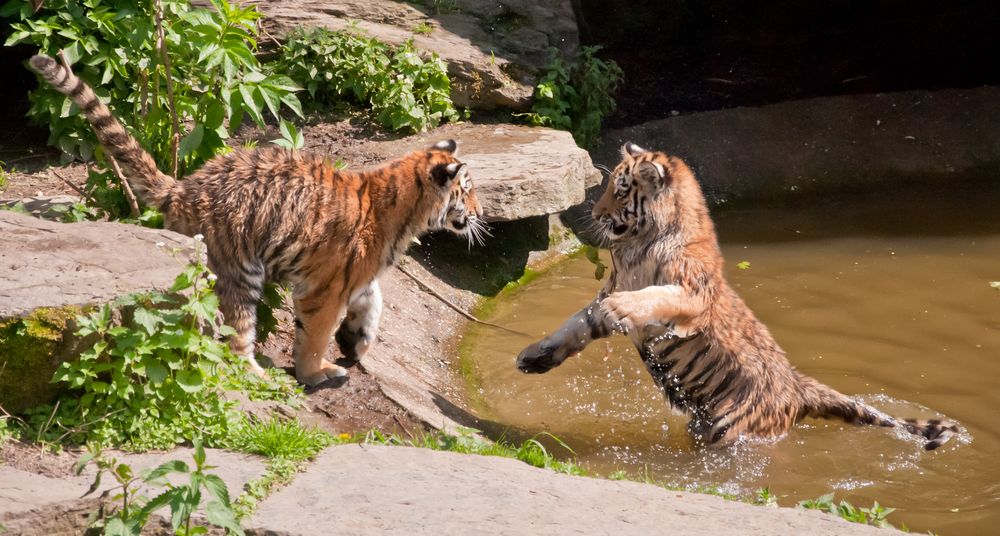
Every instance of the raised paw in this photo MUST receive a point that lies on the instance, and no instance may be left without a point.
(352, 344)
(327, 371)
(540, 357)
(621, 312)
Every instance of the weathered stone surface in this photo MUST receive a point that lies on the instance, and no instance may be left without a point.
(830, 144)
(493, 49)
(32, 504)
(519, 172)
(50, 272)
(396, 490)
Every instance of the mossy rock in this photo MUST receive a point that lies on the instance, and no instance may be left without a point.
(31, 349)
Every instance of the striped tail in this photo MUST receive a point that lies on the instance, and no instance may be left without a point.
(826, 403)
(151, 185)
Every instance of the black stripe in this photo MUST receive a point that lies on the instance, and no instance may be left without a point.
(78, 89)
(91, 105)
(682, 375)
(102, 122)
(723, 386)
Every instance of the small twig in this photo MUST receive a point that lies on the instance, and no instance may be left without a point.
(73, 186)
(269, 36)
(403, 426)
(162, 45)
(455, 307)
(133, 204)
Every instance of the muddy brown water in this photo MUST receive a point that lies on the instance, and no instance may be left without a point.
(882, 297)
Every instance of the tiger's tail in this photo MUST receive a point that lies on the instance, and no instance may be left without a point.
(151, 185)
(823, 402)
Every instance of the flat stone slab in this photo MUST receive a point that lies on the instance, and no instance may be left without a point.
(30, 503)
(365, 489)
(50, 264)
(519, 171)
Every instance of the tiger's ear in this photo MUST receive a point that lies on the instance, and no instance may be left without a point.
(652, 172)
(632, 150)
(445, 174)
(446, 145)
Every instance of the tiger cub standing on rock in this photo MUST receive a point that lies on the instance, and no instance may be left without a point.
(274, 215)
(703, 346)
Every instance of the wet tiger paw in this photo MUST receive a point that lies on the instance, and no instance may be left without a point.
(540, 357)
(623, 315)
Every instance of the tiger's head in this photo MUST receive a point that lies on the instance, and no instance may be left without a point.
(458, 210)
(639, 199)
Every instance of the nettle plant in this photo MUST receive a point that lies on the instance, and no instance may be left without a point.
(576, 95)
(156, 374)
(182, 101)
(404, 90)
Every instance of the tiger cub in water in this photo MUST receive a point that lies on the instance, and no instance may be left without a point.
(702, 345)
(274, 215)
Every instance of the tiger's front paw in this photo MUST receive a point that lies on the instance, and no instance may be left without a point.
(540, 357)
(623, 313)
(327, 371)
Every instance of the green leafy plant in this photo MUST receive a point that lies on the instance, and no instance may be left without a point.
(182, 101)
(290, 138)
(131, 515)
(576, 95)
(405, 91)
(423, 28)
(4, 177)
(531, 451)
(875, 515)
(280, 438)
(157, 378)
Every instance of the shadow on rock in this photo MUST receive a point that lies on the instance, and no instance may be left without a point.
(485, 269)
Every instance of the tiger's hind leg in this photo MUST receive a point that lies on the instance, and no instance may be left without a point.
(357, 332)
(316, 314)
(239, 289)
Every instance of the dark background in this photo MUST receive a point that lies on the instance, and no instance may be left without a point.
(692, 55)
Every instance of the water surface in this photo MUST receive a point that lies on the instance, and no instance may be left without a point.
(886, 297)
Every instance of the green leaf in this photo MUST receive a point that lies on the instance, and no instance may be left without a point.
(743, 265)
(223, 516)
(147, 319)
(182, 505)
(155, 370)
(217, 488)
(190, 380)
(189, 144)
(165, 468)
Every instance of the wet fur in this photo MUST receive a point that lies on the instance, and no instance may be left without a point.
(705, 349)
(275, 215)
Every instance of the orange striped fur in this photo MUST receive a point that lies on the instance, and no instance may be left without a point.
(703, 346)
(274, 215)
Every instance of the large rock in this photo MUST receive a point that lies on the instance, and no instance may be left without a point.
(370, 489)
(830, 144)
(519, 172)
(53, 271)
(494, 50)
